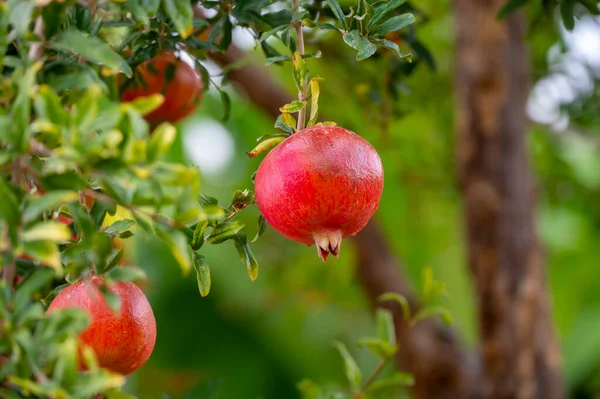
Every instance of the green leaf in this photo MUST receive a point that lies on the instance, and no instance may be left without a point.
(427, 284)
(202, 274)
(353, 373)
(361, 44)
(272, 32)
(205, 200)
(241, 244)
(9, 204)
(391, 45)
(45, 252)
(34, 283)
(198, 237)
(511, 7)
(392, 296)
(119, 226)
(160, 142)
(20, 15)
(337, 12)
(381, 11)
(567, 13)
(278, 59)
(224, 232)
(48, 106)
(294, 106)
(47, 231)
(145, 105)
(177, 243)
(397, 380)
(265, 146)
(385, 326)
(21, 107)
(112, 260)
(4, 21)
(180, 12)
(127, 273)
(432, 311)
(226, 101)
(48, 202)
(91, 48)
(86, 109)
(261, 227)
(394, 24)
(379, 347)
(314, 102)
(280, 124)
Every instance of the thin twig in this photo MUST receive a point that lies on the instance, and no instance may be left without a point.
(372, 378)
(300, 46)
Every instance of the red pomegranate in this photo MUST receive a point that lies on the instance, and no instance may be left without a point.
(319, 186)
(122, 342)
(179, 83)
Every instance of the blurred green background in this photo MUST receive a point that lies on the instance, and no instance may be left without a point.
(261, 338)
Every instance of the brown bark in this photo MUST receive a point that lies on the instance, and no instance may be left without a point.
(520, 353)
(431, 352)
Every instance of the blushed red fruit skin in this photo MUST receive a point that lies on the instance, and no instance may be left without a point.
(321, 178)
(182, 91)
(122, 342)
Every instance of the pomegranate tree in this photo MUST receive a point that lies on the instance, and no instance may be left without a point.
(320, 186)
(123, 340)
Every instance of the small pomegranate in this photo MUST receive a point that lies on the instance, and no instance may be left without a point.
(179, 83)
(122, 341)
(319, 186)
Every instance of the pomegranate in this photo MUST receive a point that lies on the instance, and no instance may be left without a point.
(179, 83)
(122, 341)
(319, 186)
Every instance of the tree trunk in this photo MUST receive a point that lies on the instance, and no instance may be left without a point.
(520, 354)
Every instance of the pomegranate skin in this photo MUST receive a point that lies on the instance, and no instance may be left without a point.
(122, 342)
(320, 185)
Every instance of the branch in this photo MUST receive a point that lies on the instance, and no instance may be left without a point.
(301, 93)
(432, 353)
(37, 49)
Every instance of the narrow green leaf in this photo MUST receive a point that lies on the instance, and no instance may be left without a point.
(180, 12)
(9, 204)
(274, 31)
(385, 326)
(161, 141)
(145, 105)
(567, 13)
(391, 45)
(198, 237)
(127, 273)
(241, 244)
(381, 11)
(392, 296)
(394, 24)
(85, 110)
(337, 12)
(427, 284)
(21, 107)
(277, 59)
(353, 373)
(511, 7)
(91, 48)
(177, 243)
(314, 102)
(397, 380)
(40, 278)
(4, 21)
(119, 226)
(380, 348)
(47, 231)
(280, 124)
(261, 227)
(224, 232)
(45, 252)
(226, 101)
(265, 146)
(361, 44)
(202, 274)
(20, 15)
(294, 106)
(432, 311)
(48, 106)
(48, 202)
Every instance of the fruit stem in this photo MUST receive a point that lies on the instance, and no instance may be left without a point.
(300, 45)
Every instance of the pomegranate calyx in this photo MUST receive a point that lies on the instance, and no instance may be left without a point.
(328, 242)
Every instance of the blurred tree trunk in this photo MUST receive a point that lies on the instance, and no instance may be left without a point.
(520, 354)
